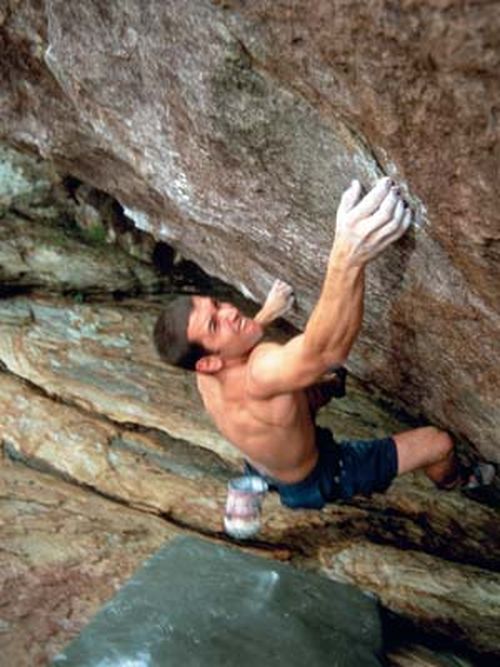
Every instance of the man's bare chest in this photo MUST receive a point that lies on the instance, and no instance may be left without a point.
(234, 412)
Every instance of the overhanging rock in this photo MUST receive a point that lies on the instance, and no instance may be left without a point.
(231, 131)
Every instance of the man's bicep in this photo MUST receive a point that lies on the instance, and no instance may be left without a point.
(278, 369)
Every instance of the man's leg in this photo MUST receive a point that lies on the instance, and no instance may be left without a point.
(429, 449)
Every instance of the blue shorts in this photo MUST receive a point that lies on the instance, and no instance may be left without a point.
(343, 470)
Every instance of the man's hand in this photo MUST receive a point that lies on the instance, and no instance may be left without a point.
(278, 302)
(367, 225)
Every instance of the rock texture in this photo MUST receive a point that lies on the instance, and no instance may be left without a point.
(236, 153)
(412, 579)
(63, 553)
(80, 416)
(55, 238)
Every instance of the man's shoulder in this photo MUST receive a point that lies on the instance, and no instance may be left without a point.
(264, 347)
(262, 360)
(260, 353)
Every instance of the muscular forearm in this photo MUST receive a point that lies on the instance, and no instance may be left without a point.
(336, 320)
(365, 226)
(337, 317)
(278, 302)
(264, 317)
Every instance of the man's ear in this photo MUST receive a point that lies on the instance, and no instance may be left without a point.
(209, 364)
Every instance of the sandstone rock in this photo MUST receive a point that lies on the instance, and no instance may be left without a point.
(102, 359)
(47, 242)
(236, 154)
(37, 255)
(187, 485)
(64, 553)
(159, 475)
(413, 655)
(460, 600)
(26, 182)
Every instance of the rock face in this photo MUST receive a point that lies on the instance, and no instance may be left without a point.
(230, 129)
(84, 398)
(63, 553)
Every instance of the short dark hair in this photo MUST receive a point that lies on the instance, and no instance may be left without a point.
(170, 335)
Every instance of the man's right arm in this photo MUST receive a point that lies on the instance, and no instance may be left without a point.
(364, 228)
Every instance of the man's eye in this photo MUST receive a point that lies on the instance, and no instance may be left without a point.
(212, 326)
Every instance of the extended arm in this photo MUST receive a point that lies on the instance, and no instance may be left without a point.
(364, 228)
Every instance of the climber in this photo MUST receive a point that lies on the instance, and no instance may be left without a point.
(256, 391)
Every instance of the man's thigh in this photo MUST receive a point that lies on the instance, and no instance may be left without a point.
(367, 466)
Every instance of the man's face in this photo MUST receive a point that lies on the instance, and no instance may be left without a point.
(221, 328)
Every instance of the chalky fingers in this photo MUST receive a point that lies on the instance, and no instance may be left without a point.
(350, 198)
(372, 201)
(397, 226)
(385, 213)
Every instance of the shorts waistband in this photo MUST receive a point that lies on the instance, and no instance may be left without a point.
(327, 449)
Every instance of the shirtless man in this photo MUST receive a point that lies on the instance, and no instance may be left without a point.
(256, 391)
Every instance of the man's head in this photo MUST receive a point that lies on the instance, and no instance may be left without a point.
(200, 333)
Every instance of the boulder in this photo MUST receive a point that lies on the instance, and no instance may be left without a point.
(66, 552)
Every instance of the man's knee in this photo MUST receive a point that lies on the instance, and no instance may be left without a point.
(422, 447)
(442, 442)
